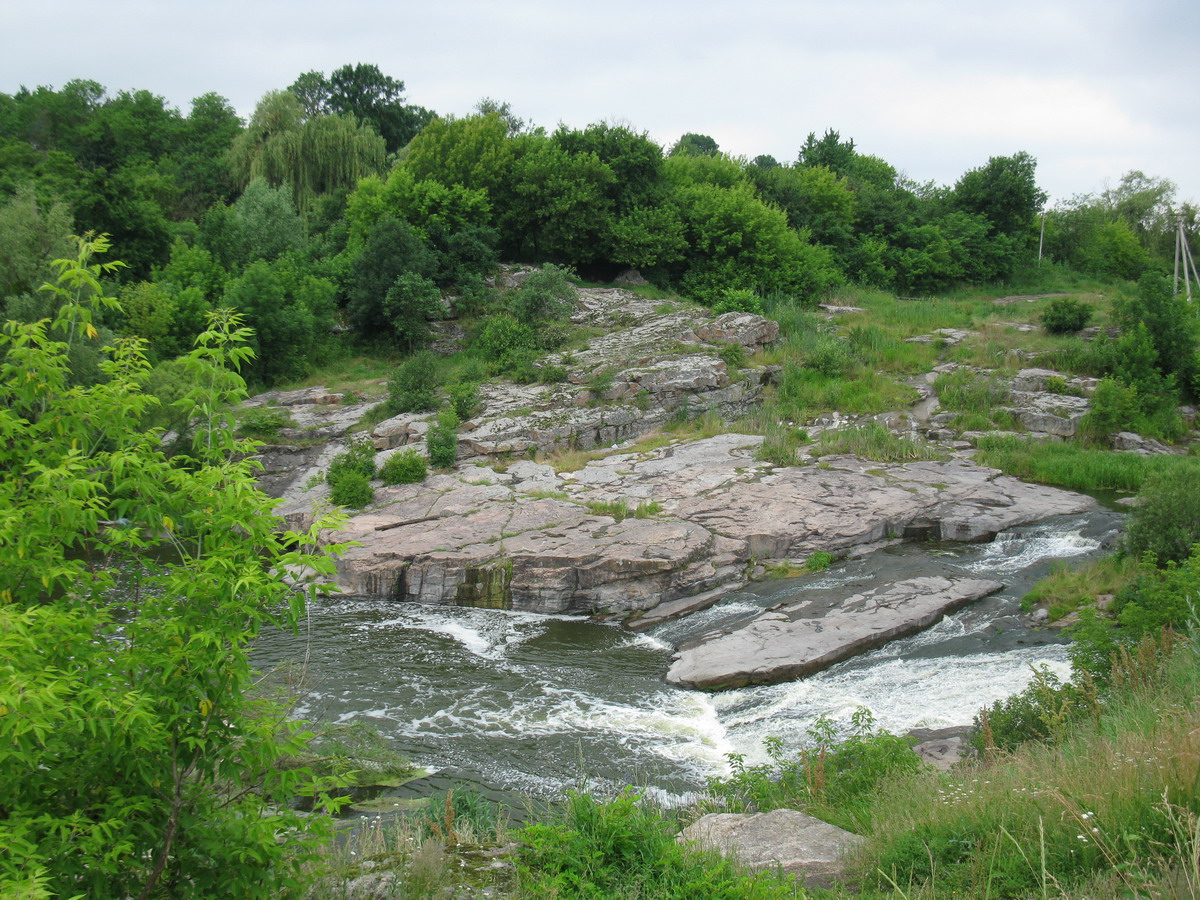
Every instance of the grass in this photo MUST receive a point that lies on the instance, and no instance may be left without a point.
(874, 442)
(969, 391)
(1067, 587)
(569, 460)
(619, 509)
(1075, 467)
(1115, 795)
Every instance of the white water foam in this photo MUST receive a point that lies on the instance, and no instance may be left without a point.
(901, 693)
(1012, 552)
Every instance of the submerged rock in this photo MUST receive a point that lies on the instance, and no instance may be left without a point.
(796, 639)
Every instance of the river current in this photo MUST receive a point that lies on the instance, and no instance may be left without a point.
(522, 705)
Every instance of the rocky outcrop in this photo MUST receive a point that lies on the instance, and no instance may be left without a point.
(783, 839)
(797, 639)
(626, 382)
(532, 539)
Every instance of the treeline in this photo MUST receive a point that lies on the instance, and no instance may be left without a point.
(339, 204)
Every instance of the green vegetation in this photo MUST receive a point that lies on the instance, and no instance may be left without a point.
(1075, 467)
(874, 442)
(405, 467)
(442, 440)
(818, 561)
(1066, 315)
(137, 756)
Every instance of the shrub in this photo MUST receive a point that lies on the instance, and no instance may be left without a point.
(547, 294)
(1038, 713)
(263, 423)
(405, 467)
(819, 561)
(831, 356)
(1065, 315)
(734, 356)
(413, 386)
(1167, 521)
(358, 459)
(352, 490)
(502, 334)
(739, 300)
(442, 440)
(965, 390)
(464, 398)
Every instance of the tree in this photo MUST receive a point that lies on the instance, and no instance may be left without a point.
(364, 92)
(830, 151)
(692, 144)
(136, 759)
(392, 249)
(1005, 192)
(311, 156)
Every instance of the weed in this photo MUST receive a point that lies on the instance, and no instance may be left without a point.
(874, 442)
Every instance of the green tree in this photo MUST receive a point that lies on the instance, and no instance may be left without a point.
(409, 304)
(310, 156)
(136, 759)
(392, 249)
(692, 144)
(364, 92)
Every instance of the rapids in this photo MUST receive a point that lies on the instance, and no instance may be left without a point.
(524, 705)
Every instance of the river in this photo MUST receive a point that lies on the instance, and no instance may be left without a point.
(522, 705)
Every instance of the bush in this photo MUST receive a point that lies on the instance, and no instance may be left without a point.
(413, 386)
(442, 441)
(352, 490)
(547, 294)
(1167, 521)
(739, 300)
(733, 355)
(358, 459)
(1064, 315)
(405, 467)
(263, 423)
(1038, 713)
(502, 334)
(464, 397)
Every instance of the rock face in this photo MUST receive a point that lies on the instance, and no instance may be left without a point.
(798, 844)
(796, 639)
(623, 384)
(532, 539)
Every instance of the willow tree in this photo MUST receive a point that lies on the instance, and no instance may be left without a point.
(309, 155)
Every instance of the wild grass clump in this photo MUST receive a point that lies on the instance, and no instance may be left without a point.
(874, 442)
(1075, 467)
(619, 509)
(1071, 585)
(966, 390)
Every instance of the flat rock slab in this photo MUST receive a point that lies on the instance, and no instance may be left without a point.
(797, 639)
(785, 839)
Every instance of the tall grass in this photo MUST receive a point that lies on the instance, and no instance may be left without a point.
(1071, 466)
(876, 443)
(1114, 795)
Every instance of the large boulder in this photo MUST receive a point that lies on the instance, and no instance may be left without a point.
(783, 839)
(796, 639)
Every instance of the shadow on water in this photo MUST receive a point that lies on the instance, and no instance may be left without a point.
(523, 706)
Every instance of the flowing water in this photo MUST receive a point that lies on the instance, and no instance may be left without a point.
(527, 705)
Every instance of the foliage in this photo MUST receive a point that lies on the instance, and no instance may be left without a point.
(1041, 711)
(1166, 521)
(818, 561)
(350, 489)
(833, 778)
(442, 440)
(1075, 467)
(409, 304)
(263, 423)
(503, 335)
(739, 300)
(626, 848)
(363, 92)
(405, 467)
(1065, 315)
(464, 398)
(136, 760)
(392, 249)
(357, 459)
(963, 389)
(874, 442)
(546, 295)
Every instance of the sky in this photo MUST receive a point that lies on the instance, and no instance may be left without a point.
(1091, 88)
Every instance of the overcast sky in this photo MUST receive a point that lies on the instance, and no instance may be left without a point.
(1091, 88)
